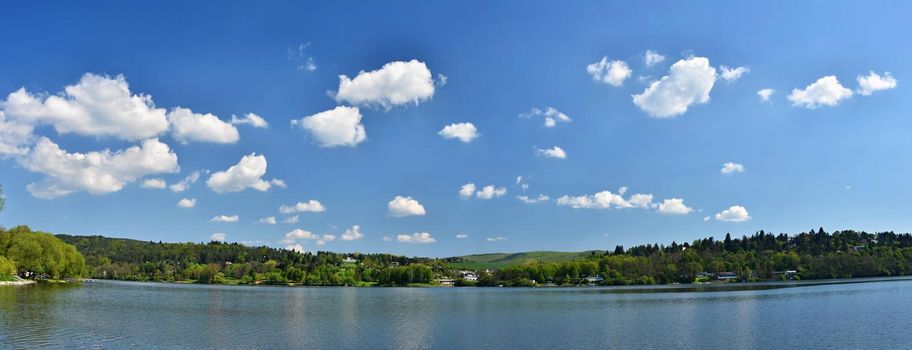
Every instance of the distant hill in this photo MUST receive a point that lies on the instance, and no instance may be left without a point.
(499, 260)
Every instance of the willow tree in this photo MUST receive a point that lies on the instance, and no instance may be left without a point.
(39, 254)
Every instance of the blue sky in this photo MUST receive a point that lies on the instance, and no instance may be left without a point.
(831, 152)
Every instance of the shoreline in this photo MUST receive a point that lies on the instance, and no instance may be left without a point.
(649, 288)
(17, 282)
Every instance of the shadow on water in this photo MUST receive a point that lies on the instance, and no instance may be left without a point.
(33, 307)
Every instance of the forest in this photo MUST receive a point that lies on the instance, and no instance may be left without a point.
(815, 254)
(234, 263)
(763, 256)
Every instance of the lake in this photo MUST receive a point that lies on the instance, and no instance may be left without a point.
(871, 315)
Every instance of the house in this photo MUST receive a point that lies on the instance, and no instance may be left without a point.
(446, 281)
(594, 279)
(727, 276)
(857, 248)
(470, 277)
(349, 260)
(788, 274)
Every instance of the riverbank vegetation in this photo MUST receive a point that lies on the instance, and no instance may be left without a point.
(815, 254)
(763, 256)
(233, 263)
(37, 255)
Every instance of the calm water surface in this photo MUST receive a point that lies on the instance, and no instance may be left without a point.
(873, 315)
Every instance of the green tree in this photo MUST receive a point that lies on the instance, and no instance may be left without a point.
(39, 254)
(7, 269)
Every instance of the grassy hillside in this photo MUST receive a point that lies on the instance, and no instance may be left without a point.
(499, 260)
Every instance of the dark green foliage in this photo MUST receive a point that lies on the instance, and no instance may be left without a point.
(217, 262)
(763, 256)
(500, 260)
(39, 254)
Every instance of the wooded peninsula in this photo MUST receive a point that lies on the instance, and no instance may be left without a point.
(815, 254)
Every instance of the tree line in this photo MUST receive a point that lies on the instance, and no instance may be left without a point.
(815, 254)
(234, 263)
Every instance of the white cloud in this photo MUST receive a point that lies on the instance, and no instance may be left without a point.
(95, 172)
(467, 190)
(311, 206)
(218, 236)
(310, 65)
(765, 94)
(652, 58)
(325, 238)
(825, 91)
(270, 220)
(354, 233)
(553, 152)
(303, 61)
(153, 183)
(298, 234)
(225, 218)
(15, 136)
(533, 200)
(496, 239)
(387, 238)
(419, 237)
(731, 168)
(340, 126)
(875, 82)
(95, 106)
(462, 236)
(404, 206)
(487, 192)
(674, 206)
(609, 72)
(552, 116)
(396, 83)
(187, 126)
(250, 118)
(246, 173)
(187, 203)
(295, 247)
(521, 181)
(732, 74)
(292, 220)
(688, 82)
(278, 183)
(490, 191)
(465, 132)
(441, 79)
(606, 200)
(735, 213)
(705, 218)
(640, 200)
(184, 184)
